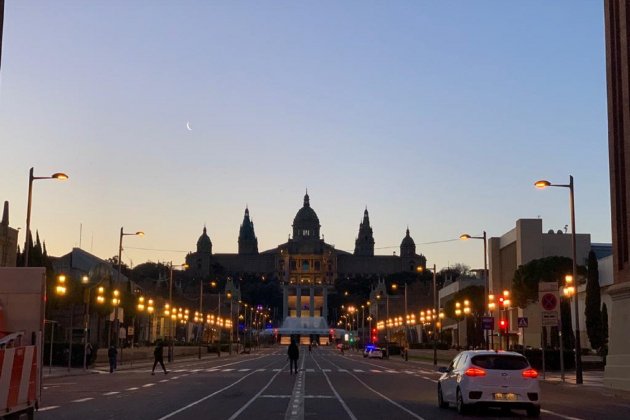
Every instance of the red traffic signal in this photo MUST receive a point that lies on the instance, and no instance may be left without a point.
(503, 325)
(374, 330)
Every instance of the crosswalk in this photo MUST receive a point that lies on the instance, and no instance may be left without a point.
(311, 370)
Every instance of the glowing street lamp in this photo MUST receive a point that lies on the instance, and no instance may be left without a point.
(59, 176)
(61, 285)
(578, 347)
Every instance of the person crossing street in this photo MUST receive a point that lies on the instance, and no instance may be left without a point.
(158, 355)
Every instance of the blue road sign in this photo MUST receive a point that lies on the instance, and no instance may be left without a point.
(487, 322)
(522, 322)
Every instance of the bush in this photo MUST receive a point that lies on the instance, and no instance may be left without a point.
(552, 359)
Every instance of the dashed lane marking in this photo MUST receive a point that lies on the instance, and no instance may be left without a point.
(111, 393)
(82, 400)
(133, 388)
(164, 380)
(147, 385)
(244, 370)
(560, 415)
(50, 407)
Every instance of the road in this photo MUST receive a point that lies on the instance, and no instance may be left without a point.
(328, 386)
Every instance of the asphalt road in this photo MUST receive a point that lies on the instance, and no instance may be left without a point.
(329, 385)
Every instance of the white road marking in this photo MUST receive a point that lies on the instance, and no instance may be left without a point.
(391, 371)
(186, 407)
(164, 380)
(244, 370)
(147, 385)
(50, 407)
(111, 393)
(82, 400)
(358, 370)
(211, 370)
(235, 415)
(227, 370)
(341, 401)
(560, 415)
(133, 388)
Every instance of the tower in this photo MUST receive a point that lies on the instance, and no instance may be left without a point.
(364, 245)
(306, 223)
(407, 246)
(247, 241)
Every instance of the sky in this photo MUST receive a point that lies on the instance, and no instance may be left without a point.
(436, 115)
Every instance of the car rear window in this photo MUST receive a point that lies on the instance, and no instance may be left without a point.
(500, 362)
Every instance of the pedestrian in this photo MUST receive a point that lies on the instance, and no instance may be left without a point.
(310, 347)
(88, 354)
(294, 355)
(158, 357)
(112, 355)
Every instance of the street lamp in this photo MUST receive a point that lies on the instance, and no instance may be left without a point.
(491, 307)
(116, 329)
(58, 175)
(486, 284)
(578, 347)
(170, 300)
(435, 308)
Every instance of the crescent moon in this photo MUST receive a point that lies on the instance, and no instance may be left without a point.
(188, 126)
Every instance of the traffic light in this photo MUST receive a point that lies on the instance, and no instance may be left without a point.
(503, 326)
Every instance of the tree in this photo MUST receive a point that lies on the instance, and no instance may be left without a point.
(548, 269)
(592, 312)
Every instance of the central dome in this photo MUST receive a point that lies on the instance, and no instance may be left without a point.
(306, 223)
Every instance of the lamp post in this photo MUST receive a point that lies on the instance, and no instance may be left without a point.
(58, 175)
(61, 290)
(486, 284)
(116, 329)
(491, 307)
(170, 300)
(578, 347)
(435, 309)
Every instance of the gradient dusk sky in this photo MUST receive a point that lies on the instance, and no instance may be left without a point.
(437, 115)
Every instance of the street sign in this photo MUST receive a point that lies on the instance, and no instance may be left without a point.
(550, 318)
(130, 331)
(549, 301)
(522, 322)
(487, 322)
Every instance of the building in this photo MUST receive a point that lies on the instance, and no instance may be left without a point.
(8, 240)
(306, 266)
(617, 17)
(525, 243)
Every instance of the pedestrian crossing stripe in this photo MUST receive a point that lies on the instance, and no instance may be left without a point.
(358, 370)
(244, 370)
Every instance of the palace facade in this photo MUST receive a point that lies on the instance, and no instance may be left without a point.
(305, 265)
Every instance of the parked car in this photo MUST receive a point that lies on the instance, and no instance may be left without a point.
(492, 379)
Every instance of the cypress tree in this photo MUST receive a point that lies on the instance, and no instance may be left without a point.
(592, 310)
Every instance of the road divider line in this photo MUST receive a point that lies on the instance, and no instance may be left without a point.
(50, 407)
(111, 393)
(295, 410)
(238, 413)
(194, 403)
(385, 397)
(80, 400)
(553, 413)
(341, 401)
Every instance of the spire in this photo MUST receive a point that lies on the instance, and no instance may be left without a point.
(364, 244)
(5, 214)
(247, 241)
(307, 202)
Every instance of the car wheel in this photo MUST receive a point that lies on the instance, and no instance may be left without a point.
(461, 407)
(441, 402)
(533, 411)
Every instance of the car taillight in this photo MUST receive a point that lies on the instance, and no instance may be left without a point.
(475, 372)
(530, 373)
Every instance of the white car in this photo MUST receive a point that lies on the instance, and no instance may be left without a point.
(492, 379)
(375, 353)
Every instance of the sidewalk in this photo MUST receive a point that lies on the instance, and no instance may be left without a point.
(145, 363)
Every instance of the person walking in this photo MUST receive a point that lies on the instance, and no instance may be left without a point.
(294, 355)
(158, 357)
(112, 355)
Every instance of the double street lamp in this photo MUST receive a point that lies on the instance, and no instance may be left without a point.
(116, 301)
(578, 348)
(486, 284)
(58, 175)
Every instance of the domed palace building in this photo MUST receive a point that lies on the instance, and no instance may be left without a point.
(306, 266)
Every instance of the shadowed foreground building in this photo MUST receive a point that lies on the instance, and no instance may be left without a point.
(617, 23)
(305, 265)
